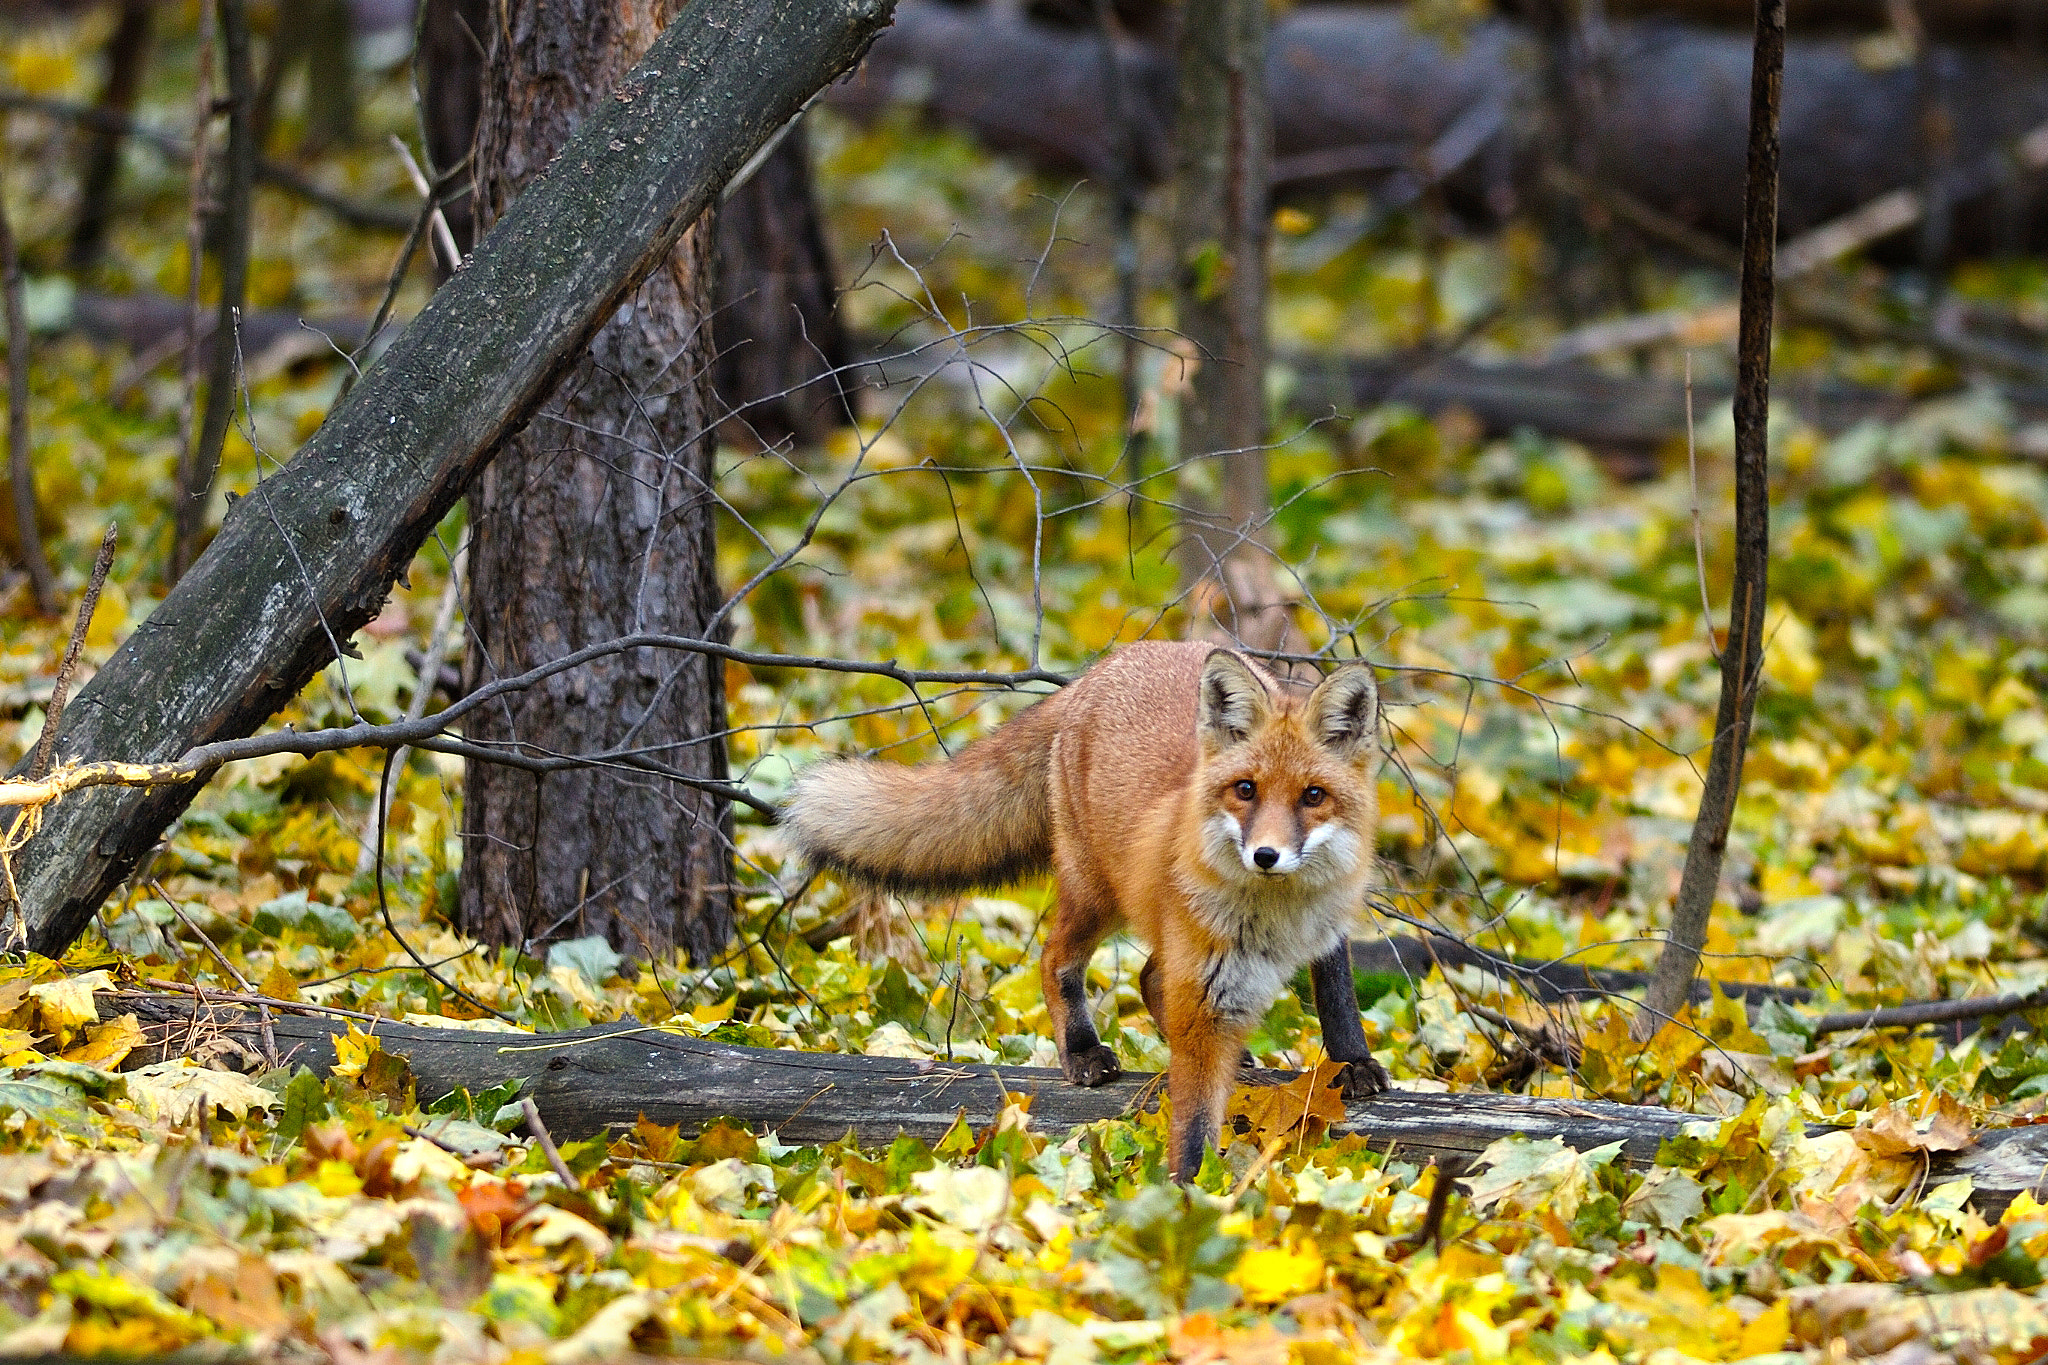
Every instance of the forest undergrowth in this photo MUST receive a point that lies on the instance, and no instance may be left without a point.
(1550, 679)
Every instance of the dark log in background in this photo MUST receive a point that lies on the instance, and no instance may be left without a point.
(589, 1080)
(1361, 86)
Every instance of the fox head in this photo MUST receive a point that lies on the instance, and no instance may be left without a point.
(1288, 785)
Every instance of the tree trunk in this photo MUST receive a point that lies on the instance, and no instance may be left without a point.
(596, 522)
(127, 55)
(449, 66)
(307, 556)
(1223, 154)
(782, 355)
(1742, 658)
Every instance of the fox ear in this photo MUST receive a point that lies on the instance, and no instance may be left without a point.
(1345, 711)
(1234, 701)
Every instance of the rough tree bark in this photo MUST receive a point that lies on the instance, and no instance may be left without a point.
(307, 556)
(597, 522)
(1742, 658)
(1223, 154)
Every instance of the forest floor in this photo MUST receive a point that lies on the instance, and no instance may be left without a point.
(1550, 683)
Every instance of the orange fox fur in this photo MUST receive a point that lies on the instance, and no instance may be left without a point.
(1176, 789)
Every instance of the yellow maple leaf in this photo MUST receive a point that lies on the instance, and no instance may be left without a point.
(106, 1045)
(352, 1051)
(67, 1003)
(1276, 1274)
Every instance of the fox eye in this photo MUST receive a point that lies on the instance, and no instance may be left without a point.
(1313, 796)
(1246, 789)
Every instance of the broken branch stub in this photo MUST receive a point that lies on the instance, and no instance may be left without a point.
(309, 554)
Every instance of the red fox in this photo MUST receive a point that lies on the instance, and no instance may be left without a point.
(1177, 789)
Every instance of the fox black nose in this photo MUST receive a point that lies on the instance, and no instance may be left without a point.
(1265, 858)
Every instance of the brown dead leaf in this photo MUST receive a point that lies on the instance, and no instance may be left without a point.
(1943, 1125)
(493, 1206)
(1302, 1108)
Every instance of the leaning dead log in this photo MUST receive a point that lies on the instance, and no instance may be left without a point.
(1361, 95)
(308, 555)
(588, 1081)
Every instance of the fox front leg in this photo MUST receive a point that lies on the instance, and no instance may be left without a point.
(1343, 1030)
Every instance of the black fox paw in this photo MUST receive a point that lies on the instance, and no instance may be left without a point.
(1092, 1066)
(1364, 1079)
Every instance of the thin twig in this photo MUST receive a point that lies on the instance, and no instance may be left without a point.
(430, 667)
(270, 1054)
(46, 743)
(242, 998)
(444, 238)
(391, 925)
(277, 175)
(547, 1143)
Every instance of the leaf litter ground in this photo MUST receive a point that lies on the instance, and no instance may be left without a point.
(1551, 683)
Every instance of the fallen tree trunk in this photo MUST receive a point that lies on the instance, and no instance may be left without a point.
(1626, 414)
(308, 555)
(587, 1081)
(1549, 982)
(1360, 94)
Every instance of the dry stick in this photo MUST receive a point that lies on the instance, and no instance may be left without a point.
(46, 743)
(1124, 199)
(127, 52)
(1699, 546)
(1930, 1012)
(1742, 661)
(443, 237)
(200, 462)
(430, 668)
(270, 1054)
(243, 998)
(547, 1144)
(1891, 212)
(19, 472)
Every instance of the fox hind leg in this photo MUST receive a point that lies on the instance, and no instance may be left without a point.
(1080, 924)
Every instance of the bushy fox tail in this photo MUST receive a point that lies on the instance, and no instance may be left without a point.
(978, 820)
